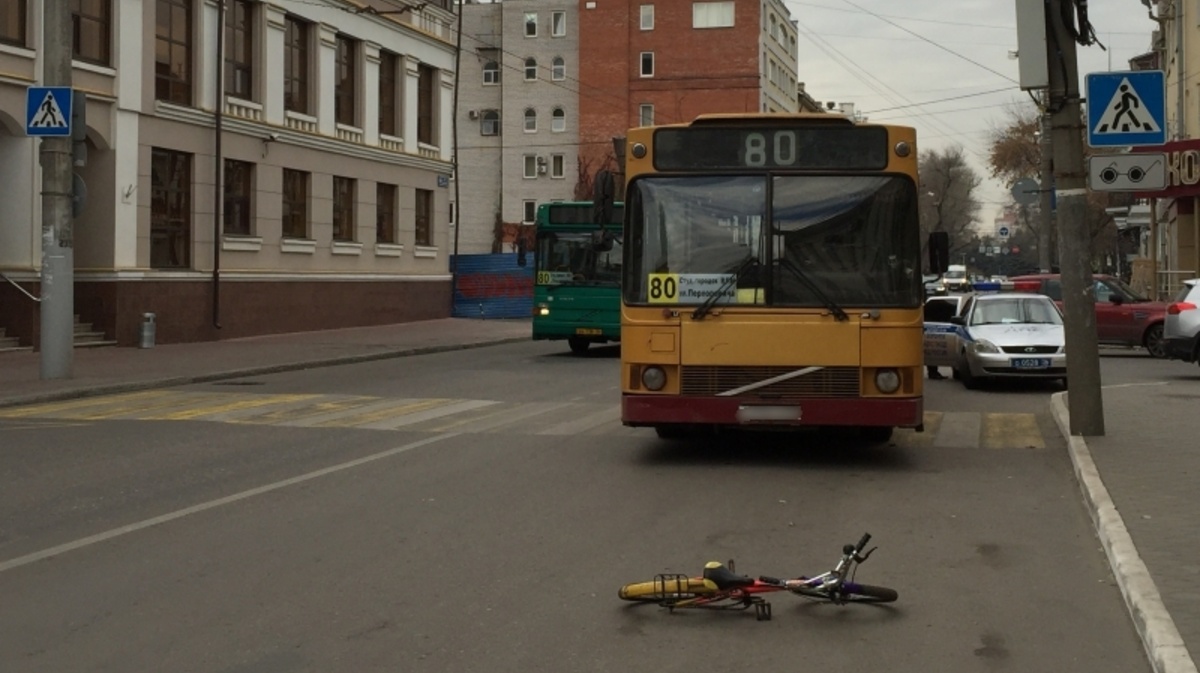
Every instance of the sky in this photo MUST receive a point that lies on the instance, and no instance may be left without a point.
(943, 66)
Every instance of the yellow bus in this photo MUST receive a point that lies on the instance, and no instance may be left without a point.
(772, 275)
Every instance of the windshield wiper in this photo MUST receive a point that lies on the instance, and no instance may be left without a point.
(836, 310)
(706, 307)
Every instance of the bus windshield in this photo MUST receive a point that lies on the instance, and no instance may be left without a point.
(571, 258)
(846, 240)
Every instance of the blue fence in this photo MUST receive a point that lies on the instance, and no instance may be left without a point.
(492, 286)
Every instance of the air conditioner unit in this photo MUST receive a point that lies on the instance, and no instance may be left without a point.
(473, 114)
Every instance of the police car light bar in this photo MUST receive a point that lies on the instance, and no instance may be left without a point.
(1007, 286)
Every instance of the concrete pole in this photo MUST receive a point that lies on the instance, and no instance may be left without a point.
(57, 341)
(1046, 205)
(1084, 401)
(1154, 284)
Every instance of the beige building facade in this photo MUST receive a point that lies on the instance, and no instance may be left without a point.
(331, 207)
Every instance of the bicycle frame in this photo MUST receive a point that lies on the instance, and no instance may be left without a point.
(721, 589)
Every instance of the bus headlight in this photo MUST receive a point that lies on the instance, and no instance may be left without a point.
(887, 380)
(654, 378)
(542, 309)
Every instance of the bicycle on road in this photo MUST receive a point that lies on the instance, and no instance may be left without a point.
(720, 588)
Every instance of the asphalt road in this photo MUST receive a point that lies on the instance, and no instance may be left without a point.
(292, 523)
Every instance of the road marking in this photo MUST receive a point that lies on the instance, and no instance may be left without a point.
(1007, 431)
(959, 429)
(580, 424)
(195, 509)
(239, 403)
(55, 407)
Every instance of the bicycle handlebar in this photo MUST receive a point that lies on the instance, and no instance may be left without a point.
(862, 543)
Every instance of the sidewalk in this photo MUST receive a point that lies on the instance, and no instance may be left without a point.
(1139, 483)
(99, 371)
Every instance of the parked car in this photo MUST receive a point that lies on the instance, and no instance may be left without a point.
(1181, 332)
(1009, 335)
(1123, 317)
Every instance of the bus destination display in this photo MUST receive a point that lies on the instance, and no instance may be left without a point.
(810, 147)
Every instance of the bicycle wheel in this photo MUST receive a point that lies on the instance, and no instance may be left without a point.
(867, 593)
(658, 591)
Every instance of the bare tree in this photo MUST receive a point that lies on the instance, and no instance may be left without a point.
(947, 198)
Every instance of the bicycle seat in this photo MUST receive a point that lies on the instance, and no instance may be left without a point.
(723, 577)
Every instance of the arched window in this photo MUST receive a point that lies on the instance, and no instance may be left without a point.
(530, 120)
(558, 120)
(489, 123)
(559, 71)
(530, 69)
(491, 72)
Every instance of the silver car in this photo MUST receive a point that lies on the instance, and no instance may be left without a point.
(1181, 330)
(1010, 335)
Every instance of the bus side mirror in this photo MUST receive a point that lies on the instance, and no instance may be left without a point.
(939, 252)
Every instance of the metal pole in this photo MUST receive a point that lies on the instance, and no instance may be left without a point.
(1084, 402)
(218, 164)
(458, 210)
(58, 255)
(1154, 249)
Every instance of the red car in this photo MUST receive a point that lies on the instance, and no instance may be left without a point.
(1123, 317)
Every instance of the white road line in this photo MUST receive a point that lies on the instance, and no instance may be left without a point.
(195, 509)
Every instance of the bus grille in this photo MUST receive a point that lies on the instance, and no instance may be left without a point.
(827, 382)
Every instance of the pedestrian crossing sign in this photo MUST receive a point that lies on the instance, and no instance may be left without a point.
(1126, 109)
(48, 111)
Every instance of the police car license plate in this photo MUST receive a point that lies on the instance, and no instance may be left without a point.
(1031, 363)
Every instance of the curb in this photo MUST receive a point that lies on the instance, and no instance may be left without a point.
(172, 381)
(1164, 646)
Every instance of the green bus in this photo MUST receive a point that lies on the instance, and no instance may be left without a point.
(577, 285)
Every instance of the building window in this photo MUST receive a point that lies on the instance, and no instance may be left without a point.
(647, 17)
(173, 52)
(170, 209)
(295, 204)
(424, 223)
(489, 123)
(559, 70)
(239, 187)
(718, 15)
(91, 24)
(774, 24)
(558, 24)
(530, 120)
(646, 114)
(295, 65)
(343, 209)
(344, 93)
(453, 209)
(426, 76)
(647, 64)
(530, 166)
(530, 69)
(530, 24)
(558, 166)
(530, 214)
(491, 72)
(12, 22)
(388, 64)
(558, 120)
(385, 213)
(239, 49)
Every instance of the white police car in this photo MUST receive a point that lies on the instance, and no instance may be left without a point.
(998, 333)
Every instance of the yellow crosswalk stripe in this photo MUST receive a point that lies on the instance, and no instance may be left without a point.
(301, 412)
(1011, 431)
(401, 407)
(164, 400)
(225, 405)
(53, 408)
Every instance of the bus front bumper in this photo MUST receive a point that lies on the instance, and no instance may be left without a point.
(641, 410)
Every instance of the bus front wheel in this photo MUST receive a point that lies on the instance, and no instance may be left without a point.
(578, 345)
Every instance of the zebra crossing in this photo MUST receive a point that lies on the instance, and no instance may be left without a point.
(436, 415)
